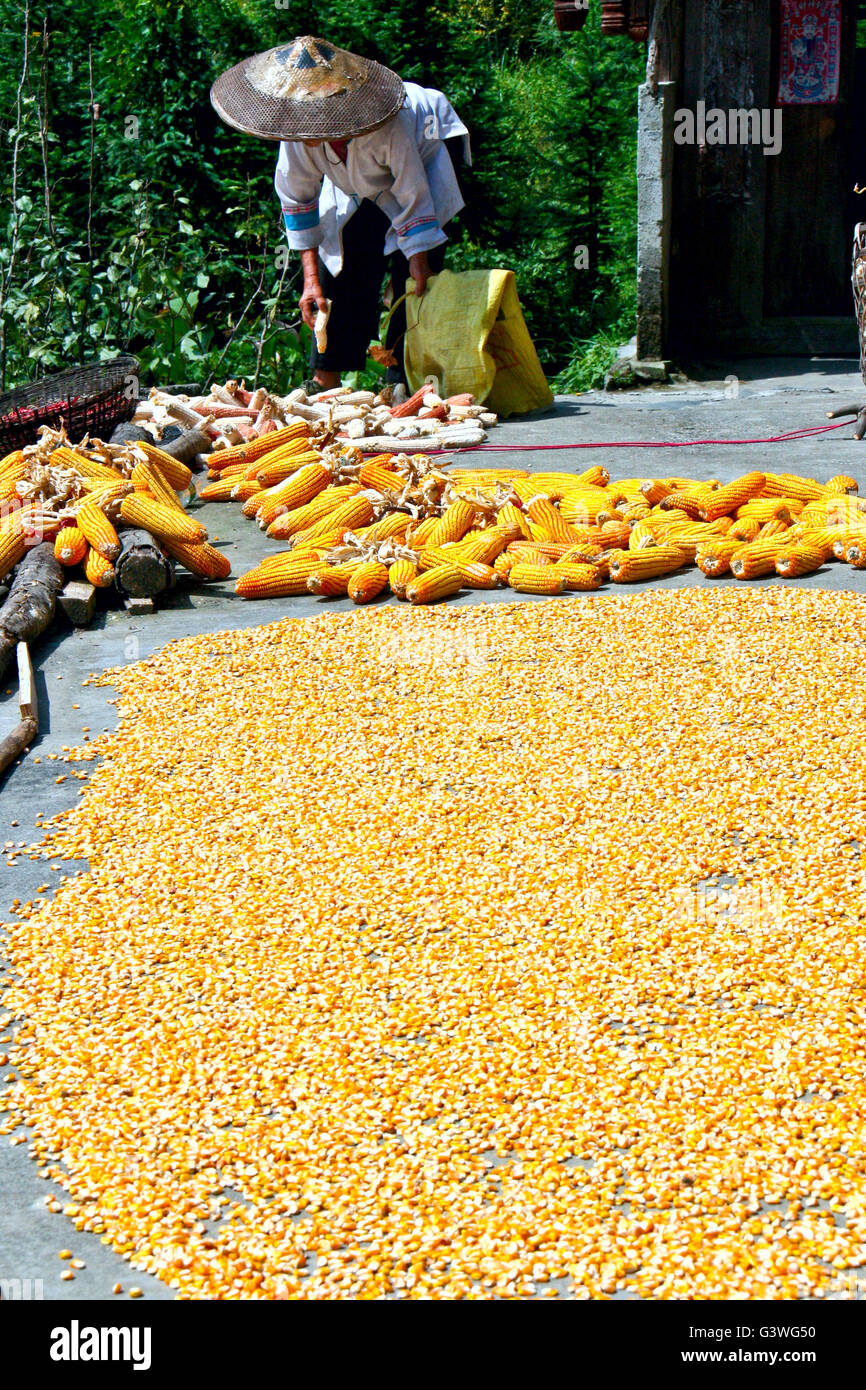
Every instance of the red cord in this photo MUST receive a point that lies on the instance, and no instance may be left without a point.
(641, 443)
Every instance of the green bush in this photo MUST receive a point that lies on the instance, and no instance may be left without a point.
(153, 227)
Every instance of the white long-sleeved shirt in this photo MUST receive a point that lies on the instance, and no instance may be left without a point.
(403, 167)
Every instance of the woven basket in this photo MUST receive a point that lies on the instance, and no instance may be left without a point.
(87, 400)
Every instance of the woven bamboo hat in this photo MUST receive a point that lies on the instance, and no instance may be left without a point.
(307, 90)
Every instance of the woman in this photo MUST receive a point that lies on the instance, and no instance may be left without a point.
(366, 180)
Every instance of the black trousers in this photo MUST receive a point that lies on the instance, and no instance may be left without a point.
(356, 293)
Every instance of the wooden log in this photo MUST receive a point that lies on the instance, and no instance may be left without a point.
(187, 446)
(13, 745)
(142, 569)
(30, 606)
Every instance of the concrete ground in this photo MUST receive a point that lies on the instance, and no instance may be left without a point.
(745, 400)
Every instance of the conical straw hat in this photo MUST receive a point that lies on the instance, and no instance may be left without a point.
(307, 90)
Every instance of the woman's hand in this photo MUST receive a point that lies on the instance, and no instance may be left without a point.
(311, 301)
(419, 269)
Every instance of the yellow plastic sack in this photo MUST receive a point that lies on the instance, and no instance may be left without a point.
(468, 331)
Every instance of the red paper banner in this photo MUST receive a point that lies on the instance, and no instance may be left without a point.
(811, 41)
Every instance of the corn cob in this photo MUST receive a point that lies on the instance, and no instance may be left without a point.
(511, 521)
(613, 535)
(172, 472)
(539, 552)
(839, 485)
(70, 546)
(473, 477)
(635, 512)
(378, 474)
(357, 511)
(690, 538)
(283, 579)
(835, 511)
(714, 559)
(757, 559)
(772, 528)
(796, 560)
(586, 555)
(631, 566)
(332, 581)
(203, 559)
(595, 476)
(442, 582)
(279, 470)
(11, 460)
(293, 492)
(301, 518)
(416, 536)
(477, 575)
(843, 540)
(144, 478)
(98, 530)
(582, 508)
(401, 574)
(763, 509)
(538, 579)
(246, 490)
(654, 491)
(10, 478)
(97, 569)
(643, 535)
(81, 464)
(391, 526)
(692, 500)
(300, 448)
(855, 553)
(257, 448)
(746, 529)
(367, 581)
(219, 491)
(453, 524)
(482, 546)
(579, 577)
(502, 564)
(728, 498)
(792, 485)
(162, 521)
(12, 548)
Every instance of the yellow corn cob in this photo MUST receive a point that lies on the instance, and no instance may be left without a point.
(416, 536)
(690, 538)
(437, 583)
(763, 509)
(172, 472)
(70, 546)
(453, 524)
(293, 449)
(295, 491)
(257, 448)
(502, 564)
(845, 538)
(581, 508)
(477, 575)
(400, 575)
(368, 581)
(643, 535)
(87, 468)
(482, 546)
(144, 478)
(511, 521)
(691, 500)
(579, 577)
(98, 530)
(392, 526)
(654, 491)
(555, 486)
(377, 474)
(792, 485)
(285, 577)
(835, 511)
(162, 521)
(219, 491)
(301, 518)
(357, 511)
(202, 559)
(796, 560)
(757, 559)
(635, 512)
(484, 476)
(613, 535)
(97, 569)
(596, 476)
(631, 566)
(855, 553)
(332, 581)
(10, 479)
(772, 528)
(12, 548)
(839, 485)
(538, 579)
(714, 558)
(245, 490)
(728, 498)
(278, 470)
(539, 552)
(746, 529)
(11, 460)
